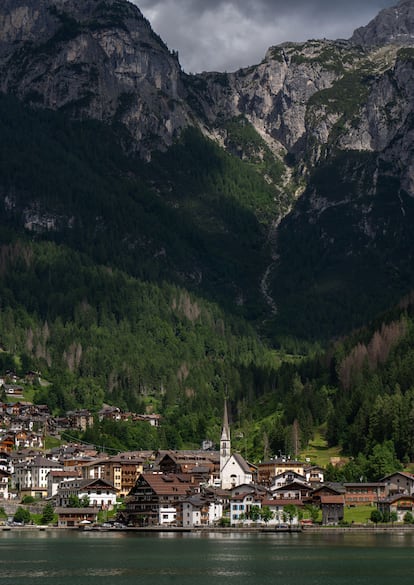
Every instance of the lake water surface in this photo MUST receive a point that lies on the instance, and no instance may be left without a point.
(82, 558)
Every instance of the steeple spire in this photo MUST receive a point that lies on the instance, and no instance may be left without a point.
(225, 441)
(225, 433)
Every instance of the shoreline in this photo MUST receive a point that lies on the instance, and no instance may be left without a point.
(219, 530)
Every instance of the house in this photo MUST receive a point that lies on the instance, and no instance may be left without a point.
(55, 478)
(314, 475)
(4, 484)
(76, 517)
(268, 470)
(30, 477)
(5, 461)
(7, 443)
(99, 492)
(94, 468)
(332, 509)
(364, 494)
(80, 419)
(398, 504)
(399, 483)
(123, 471)
(296, 490)
(241, 505)
(203, 466)
(284, 478)
(330, 498)
(151, 493)
(278, 509)
(109, 413)
(12, 390)
(234, 469)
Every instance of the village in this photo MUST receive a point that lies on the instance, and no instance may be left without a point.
(170, 489)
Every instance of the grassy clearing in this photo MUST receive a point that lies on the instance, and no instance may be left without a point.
(318, 451)
(358, 515)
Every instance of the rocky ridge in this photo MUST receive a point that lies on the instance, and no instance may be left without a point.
(95, 59)
(341, 109)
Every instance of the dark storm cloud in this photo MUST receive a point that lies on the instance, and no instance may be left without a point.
(225, 35)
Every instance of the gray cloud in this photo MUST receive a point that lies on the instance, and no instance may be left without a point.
(224, 35)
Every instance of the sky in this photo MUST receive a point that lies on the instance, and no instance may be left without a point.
(225, 35)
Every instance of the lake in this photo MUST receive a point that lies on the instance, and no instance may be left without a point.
(88, 558)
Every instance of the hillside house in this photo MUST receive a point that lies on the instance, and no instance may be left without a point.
(80, 419)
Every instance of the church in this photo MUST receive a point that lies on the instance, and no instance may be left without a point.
(234, 469)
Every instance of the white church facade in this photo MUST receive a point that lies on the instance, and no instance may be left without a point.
(234, 469)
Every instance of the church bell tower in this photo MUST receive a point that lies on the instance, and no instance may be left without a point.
(225, 443)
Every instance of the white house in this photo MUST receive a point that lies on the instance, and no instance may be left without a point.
(31, 476)
(286, 477)
(99, 492)
(240, 507)
(4, 485)
(55, 478)
(200, 511)
(167, 515)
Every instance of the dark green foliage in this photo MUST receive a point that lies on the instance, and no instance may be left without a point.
(48, 514)
(342, 270)
(376, 516)
(22, 515)
(105, 205)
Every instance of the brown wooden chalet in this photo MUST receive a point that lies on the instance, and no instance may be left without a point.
(76, 517)
(151, 493)
(330, 498)
(201, 465)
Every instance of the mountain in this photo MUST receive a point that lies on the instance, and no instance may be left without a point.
(162, 233)
(392, 26)
(94, 59)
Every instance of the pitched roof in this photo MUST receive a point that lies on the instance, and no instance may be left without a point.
(242, 462)
(163, 484)
(332, 499)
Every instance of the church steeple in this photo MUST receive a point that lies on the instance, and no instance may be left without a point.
(225, 441)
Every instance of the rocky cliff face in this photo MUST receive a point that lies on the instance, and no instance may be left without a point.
(101, 60)
(336, 116)
(393, 25)
(95, 59)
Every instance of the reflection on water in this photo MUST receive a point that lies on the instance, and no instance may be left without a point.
(76, 558)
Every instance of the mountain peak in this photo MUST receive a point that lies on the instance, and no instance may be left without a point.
(392, 26)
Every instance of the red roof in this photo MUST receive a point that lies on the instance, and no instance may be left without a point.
(332, 499)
